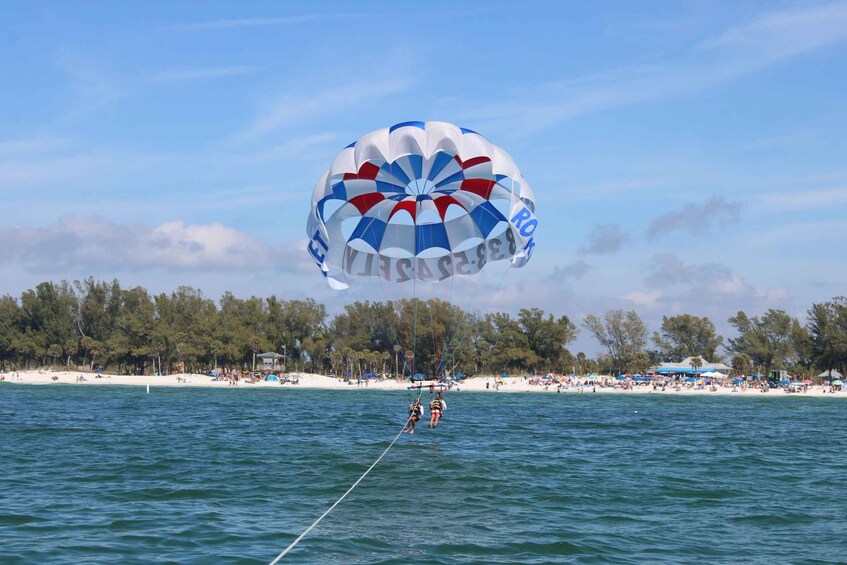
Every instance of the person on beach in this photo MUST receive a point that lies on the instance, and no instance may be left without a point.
(436, 408)
(415, 414)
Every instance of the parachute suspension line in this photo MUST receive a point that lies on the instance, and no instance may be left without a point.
(441, 339)
(343, 496)
(457, 319)
(414, 326)
(470, 326)
(433, 319)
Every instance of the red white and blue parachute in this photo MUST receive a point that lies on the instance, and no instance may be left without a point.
(420, 201)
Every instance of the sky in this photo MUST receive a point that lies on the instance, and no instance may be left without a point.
(686, 157)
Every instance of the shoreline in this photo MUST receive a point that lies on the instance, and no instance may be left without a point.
(312, 381)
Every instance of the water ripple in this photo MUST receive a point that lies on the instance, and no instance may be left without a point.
(107, 475)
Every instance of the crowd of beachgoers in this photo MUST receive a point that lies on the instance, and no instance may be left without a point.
(525, 383)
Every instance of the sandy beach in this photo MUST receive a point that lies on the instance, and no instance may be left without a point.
(312, 381)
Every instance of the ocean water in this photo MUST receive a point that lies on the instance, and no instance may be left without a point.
(115, 475)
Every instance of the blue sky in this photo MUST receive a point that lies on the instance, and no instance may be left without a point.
(686, 156)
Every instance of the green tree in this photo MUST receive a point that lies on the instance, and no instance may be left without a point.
(741, 364)
(511, 346)
(548, 337)
(685, 336)
(10, 322)
(827, 330)
(623, 335)
(48, 313)
(768, 340)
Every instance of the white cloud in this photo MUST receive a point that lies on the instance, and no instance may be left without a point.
(704, 284)
(605, 239)
(806, 231)
(298, 146)
(98, 243)
(35, 145)
(640, 298)
(696, 219)
(92, 87)
(179, 75)
(825, 198)
(293, 108)
(781, 34)
(246, 22)
(575, 270)
(767, 40)
(51, 167)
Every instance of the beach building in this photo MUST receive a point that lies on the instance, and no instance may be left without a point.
(686, 367)
(272, 361)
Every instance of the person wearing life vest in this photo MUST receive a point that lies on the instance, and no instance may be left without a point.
(437, 407)
(415, 413)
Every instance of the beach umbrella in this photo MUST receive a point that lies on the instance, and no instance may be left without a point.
(807, 381)
(837, 382)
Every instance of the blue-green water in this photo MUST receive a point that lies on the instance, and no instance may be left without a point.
(114, 475)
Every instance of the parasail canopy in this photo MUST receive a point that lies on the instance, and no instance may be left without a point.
(419, 201)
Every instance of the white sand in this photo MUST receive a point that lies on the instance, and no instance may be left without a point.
(306, 380)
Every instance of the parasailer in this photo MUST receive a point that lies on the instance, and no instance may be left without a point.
(416, 411)
(436, 408)
(421, 207)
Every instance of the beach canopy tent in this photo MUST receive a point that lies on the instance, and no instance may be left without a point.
(369, 375)
(677, 371)
(713, 375)
(826, 374)
(272, 378)
(685, 367)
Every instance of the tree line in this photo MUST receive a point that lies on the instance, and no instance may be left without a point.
(90, 324)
